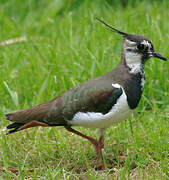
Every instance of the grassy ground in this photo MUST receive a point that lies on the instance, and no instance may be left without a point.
(66, 46)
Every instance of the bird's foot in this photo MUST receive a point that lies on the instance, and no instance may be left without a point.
(98, 144)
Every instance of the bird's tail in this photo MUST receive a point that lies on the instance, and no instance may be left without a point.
(14, 127)
(27, 118)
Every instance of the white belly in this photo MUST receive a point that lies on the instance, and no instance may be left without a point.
(119, 112)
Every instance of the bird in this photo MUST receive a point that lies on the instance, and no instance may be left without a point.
(99, 102)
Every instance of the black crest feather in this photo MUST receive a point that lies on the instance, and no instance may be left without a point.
(114, 30)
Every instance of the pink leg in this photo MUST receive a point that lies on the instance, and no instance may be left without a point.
(101, 142)
(99, 145)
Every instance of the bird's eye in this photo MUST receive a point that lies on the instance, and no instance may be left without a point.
(140, 47)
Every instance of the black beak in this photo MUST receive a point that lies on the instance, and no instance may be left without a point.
(157, 55)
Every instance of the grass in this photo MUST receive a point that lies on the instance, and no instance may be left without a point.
(66, 46)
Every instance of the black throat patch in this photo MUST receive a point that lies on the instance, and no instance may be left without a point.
(134, 89)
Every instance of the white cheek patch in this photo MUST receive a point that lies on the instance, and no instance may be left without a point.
(131, 56)
(133, 59)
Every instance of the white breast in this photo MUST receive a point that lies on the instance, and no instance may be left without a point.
(120, 111)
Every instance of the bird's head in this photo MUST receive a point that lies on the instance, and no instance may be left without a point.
(136, 49)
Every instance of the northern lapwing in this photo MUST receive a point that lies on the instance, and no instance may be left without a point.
(98, 102)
